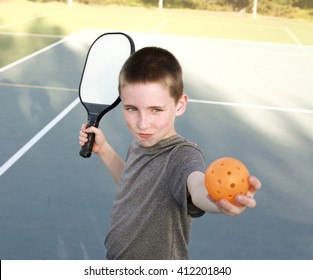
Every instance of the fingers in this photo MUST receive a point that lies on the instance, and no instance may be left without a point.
(83, 136)
(83, 133)
(93, 129)
(241, 201)
(84, 130)
(245, 201)
(235, 209)
(248, 200)
(255, 184)
(83, 127)
(228, 208)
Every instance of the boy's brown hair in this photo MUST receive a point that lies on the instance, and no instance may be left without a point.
(153, 64)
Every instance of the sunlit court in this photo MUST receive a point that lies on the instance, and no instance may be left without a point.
(249, 82)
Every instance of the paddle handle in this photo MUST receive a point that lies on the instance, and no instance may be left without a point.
(86, 150)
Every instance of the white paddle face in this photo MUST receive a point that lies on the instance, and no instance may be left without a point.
(105, 59)
(98, 89)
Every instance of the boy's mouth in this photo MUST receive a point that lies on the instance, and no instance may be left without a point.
(145, 135)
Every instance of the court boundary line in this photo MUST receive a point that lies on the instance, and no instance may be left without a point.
(12, 160)
(159, 26)
(253, 106)
(25, 58)
(38, 87)
(17, 155)
(293, 36)
(26, 34)
(289, 45)
(299, 43)
(219, 103)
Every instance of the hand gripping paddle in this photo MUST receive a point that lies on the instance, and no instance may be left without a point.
(98, 90)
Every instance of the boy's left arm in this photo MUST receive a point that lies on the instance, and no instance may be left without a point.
(201, 199)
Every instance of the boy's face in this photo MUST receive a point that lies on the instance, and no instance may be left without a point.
(150, 112)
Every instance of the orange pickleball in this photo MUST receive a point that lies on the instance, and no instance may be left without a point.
(225, 178)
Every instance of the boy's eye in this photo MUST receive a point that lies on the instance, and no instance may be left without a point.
(157, 109)
(131, 109)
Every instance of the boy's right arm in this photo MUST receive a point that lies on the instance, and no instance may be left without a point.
(200, 197)
(104, 150)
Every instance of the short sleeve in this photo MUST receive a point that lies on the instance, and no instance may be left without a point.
(185, 159)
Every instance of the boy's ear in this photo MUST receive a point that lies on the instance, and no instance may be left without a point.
(181, 105)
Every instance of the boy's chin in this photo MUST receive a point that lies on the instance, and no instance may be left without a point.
(146, 144)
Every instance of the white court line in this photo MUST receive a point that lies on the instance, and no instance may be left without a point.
(293, 36)
(31, 34)
(38, 87)
(37, 137)
(69, 108)
(36, 53)
(298, 42)
(159, 26)
(59, 117)
(253, 106)
(50, 125)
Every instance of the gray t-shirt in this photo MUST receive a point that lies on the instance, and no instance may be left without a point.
(152, 210)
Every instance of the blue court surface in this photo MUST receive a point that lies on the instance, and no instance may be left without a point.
(248, 100)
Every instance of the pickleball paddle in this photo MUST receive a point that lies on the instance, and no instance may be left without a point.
(98, 90)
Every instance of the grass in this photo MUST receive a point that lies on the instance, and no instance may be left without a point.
(54, 18)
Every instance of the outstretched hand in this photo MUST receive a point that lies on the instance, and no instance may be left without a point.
(241, 201)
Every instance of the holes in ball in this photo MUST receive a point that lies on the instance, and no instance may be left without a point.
(232, 185)
(229, 173)
(219, 181)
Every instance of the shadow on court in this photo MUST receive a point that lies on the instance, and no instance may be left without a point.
(16, 46)
(280, 226)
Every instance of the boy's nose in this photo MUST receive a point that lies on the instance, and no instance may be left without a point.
(142, 122)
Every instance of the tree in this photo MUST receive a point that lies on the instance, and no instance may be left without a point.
(303, 4)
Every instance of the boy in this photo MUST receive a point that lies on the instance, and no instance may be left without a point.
(160, 186)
